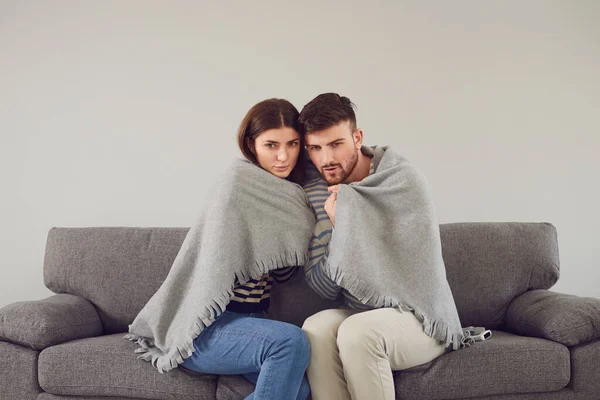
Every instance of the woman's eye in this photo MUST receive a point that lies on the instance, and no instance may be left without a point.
(294, 144)
(270, 146)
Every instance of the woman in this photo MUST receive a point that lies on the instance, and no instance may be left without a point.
(274, 355)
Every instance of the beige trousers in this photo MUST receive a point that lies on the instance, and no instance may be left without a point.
(354, 352)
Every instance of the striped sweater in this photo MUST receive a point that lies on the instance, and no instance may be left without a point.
(255, 295)
(316, 276)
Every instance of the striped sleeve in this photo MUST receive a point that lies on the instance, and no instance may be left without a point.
(318, 250)
(283, 275)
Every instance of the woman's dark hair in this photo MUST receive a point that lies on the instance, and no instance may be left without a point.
(271, 114)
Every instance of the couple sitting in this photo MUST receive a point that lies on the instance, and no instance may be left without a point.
(361, 222)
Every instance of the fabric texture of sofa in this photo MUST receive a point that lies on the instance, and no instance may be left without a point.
(545, 345)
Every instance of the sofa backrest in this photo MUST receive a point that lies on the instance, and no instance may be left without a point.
(119, 269)
(489, 264)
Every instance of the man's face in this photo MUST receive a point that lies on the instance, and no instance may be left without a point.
(334, 151)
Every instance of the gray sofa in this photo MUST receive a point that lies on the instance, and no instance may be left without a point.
(545, 345)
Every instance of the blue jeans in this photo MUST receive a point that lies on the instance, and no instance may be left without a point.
(273, 355)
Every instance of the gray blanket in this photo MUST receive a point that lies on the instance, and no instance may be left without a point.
(386, 248)
(254, 223)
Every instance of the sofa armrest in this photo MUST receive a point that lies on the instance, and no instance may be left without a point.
(44, 323)
(562, 318)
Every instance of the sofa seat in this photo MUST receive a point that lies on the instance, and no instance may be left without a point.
(234, 387)
(504, 364)
(108, 366)
(48, 396)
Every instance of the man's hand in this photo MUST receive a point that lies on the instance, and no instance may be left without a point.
(330, 202)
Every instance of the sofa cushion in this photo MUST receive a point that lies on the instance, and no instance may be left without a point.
(117, 269)
(104, 264)
(489, 264)
(233, 387)
(48, 396)
(108, 366)
(54, 320)
(503, 364)
(585, 361)
(563, 394)
(559, 317)
(18, 372)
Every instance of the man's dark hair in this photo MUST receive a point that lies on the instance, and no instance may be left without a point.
(326, 110)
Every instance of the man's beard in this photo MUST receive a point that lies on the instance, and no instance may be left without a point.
(343, 173)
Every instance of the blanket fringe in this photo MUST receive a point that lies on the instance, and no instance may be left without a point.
(433, 328)
(184, 348)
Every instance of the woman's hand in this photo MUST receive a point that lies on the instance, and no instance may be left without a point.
(330, 202)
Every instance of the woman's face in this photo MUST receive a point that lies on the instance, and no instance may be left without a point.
(277, 150)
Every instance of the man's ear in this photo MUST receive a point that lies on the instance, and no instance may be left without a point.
(357, 136)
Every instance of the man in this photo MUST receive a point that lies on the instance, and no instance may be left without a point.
(355, 348)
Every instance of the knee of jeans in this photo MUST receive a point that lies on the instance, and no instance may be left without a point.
(304, 391)
(297, 343)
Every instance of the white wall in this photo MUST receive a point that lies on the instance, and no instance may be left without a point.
(118, 113)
